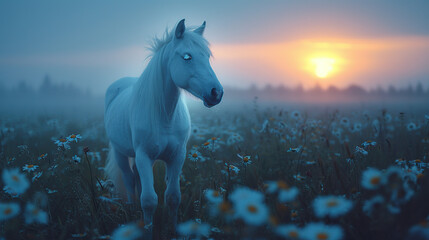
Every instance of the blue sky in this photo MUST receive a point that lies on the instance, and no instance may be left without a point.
(92, 43)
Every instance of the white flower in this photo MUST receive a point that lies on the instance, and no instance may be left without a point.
(15, 182)
(62, 142)
(332, 206)
(127, 232)
(368, 205)
(8, 210)
(245, 159)
(233, 168)
(296, 115)
(361, 150)
(43, 156)
(33, 214)
(213, 196)
(36, 176)
(318, 231)
(192, 228)
(411, 126)
(76, 159)
(252, 212)
(29, 167)
(74, 137)
(194, 155)
(288, 195)
(288, 231)
(371, 178)
(241, 194)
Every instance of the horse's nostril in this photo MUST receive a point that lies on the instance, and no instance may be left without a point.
(214, 92)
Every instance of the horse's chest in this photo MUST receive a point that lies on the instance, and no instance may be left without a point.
(163, 148)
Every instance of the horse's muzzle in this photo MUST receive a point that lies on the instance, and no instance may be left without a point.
(214, 98)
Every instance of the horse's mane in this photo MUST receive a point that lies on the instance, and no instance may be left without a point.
(148, 93)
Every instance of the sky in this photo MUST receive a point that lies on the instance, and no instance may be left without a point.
(308, 43)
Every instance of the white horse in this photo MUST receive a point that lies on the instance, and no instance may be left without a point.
(147, 119)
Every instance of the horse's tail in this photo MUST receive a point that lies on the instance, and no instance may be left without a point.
(114, 173)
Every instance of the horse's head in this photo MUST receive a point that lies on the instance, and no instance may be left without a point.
(189, 65)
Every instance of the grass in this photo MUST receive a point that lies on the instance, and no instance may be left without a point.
(327, 161)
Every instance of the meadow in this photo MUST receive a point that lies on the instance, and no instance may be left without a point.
(256, 171)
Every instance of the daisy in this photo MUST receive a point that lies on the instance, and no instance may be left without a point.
(320, 231)
(130, 231)
(43, 156)
(213, 196)
(33, 214)
(36, 176)
(62, 142)
(29, 167)
(295, 150)
(298, 177)
(369, 143)
(361, 150)
(411, 126)
(8, 210)
(192, 228)
(76, 159)
(296, 115)
(15, 182)
(369, 205)
(254, 213)
(233, 168)
(245, 159)
(371, 178)
(194, 155)
(74, 138)
(288, 194)
(357, 127)
(332, 206)
(234, 138)
(50, 191)
(345, 121)
(288, 231)
(245, 194)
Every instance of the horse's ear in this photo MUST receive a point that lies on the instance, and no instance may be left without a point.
(180, 29)
(200, 29)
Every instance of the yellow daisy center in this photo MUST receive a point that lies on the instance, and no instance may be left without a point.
(7, 211)
(282, 185)
(214, 138)
(245, 159)
(375, 180)
(73, 136)
(15, 178)
(206, 143)
(194, 155)
(322, 236)
(252, 209)
(332, 203)
(293, 234)
(30, 166)
(215, 194)
(63, 140)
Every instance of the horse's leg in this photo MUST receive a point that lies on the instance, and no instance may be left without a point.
(137, 179)
(172, 193)
(148, 197)
(127, 175)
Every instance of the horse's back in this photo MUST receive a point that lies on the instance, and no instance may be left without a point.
(117, 87)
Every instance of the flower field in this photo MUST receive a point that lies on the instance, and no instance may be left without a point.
(257, 172)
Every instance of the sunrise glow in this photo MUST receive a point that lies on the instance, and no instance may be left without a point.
(323, 66)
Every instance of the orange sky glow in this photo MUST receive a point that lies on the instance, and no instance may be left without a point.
(350, 61)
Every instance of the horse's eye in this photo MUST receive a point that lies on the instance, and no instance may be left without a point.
(187, 56)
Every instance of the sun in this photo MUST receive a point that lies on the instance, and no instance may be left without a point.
(323, 66)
